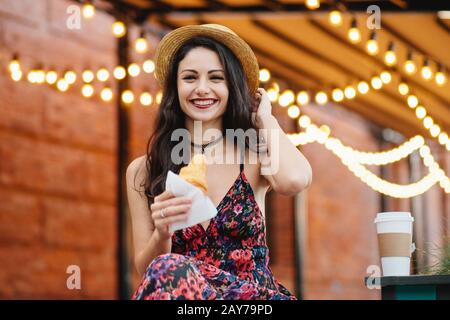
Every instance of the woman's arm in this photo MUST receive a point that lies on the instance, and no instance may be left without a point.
(147, 242)
(283, 165)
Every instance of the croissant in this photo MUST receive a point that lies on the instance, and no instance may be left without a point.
(195, 172)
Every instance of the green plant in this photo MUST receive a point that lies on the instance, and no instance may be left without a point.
(442, 258)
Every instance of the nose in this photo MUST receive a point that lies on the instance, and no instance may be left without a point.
(202, 88)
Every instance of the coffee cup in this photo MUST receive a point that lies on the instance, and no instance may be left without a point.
(394, 231)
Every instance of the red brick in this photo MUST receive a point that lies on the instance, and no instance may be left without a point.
(77, 224)
(20, 217)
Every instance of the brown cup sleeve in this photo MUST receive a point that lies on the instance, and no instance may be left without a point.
(395, 244)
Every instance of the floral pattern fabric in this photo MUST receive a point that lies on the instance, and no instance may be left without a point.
(227, 261)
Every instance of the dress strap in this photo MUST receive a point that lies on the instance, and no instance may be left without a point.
(242, 156)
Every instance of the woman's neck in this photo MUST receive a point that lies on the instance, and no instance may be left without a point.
(203, 132)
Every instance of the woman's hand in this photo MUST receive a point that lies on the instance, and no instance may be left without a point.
(262, 107)
(168, 209)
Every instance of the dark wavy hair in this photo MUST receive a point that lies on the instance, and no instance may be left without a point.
(170, 116)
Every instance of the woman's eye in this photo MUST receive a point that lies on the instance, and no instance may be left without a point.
(217, 78)
(189, 77)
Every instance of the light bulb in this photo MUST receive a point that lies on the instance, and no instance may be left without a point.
(127, 97)
(102, 75)
(146, 99)
(134, 70)
(435, 130)
(312, 4)
(335, 18)
(376, 83)
(119, 29)
(14, 65)
(293, 111)
(426, 70)
(421, 112)
(410, 67)
(304, 121)
(264, 75)
(349, 92)
(141, 45)
(363, 87)
(372, 44)
(386, 77)
(88, 76)
(88, 11)
(51, 77)
(302, 98)
(389, 57)
(119, 73)
(87, 90)
(106, 94)
(148, 66)
(321, 97)
(62, 85)
(337, 95)
(428, 122)
(443, 138)
(412, 101)
(403, 89)
(70, 77)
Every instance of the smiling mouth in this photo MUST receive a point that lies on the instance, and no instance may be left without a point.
(204, 103)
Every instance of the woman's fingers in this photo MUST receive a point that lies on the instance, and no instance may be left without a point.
(174, 201)
(170, 211)
(164, 196)
(163, 223)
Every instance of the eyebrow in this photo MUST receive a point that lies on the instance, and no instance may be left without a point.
(195, 71)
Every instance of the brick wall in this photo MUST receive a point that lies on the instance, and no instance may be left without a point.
(58, 159)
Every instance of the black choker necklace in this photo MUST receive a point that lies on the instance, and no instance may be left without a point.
(203, 146)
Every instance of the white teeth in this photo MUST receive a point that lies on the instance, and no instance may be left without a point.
(203, 102)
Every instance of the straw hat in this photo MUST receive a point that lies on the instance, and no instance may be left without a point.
(172, 41)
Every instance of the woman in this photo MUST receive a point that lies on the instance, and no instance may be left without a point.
(210, 76)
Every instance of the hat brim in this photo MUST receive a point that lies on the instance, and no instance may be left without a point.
(172, 41)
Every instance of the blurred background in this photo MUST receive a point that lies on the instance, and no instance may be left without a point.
(360, 87)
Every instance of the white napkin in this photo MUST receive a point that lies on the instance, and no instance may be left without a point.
(202, 208)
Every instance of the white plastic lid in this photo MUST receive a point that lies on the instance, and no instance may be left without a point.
(393, 216)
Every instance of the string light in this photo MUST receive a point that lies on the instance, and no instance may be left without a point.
(286, 98)
(335, 18)
(304, 121)
(51, 77)
(70, 77)
(426, 70)
(389, 57)
(428, 122)
(302, 98)
(16, 75)
(337, 95)
(403, 89)
(127, 97)
(440, 76)
(350, 92)
(119, 73)
(376, 83)
(14, 65)
(148, 66)
(106, 94)
(264, 75)
(421, 112)
(62, 85)
(412, 101)
(363, 87)
(88, 10)
(443, 138)
(119, 29)
(87, 90)
(134, 69)
(102, 75)
(435, 130)
(293, 111)
(321, 97)
(146, 99)
(273, 94)
(158, 97)
(141, 45)
(410, 66)
(386, 77)
(372, 44)
(354, 35)
(312, 4)
(88, 76)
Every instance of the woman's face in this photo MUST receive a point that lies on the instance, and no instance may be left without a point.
(202, 87)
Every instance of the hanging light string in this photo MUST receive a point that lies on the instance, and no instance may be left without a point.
(390, 57)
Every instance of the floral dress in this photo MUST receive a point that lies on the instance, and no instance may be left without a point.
(227, 261)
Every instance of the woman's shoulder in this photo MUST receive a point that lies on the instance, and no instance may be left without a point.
(136, 168)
